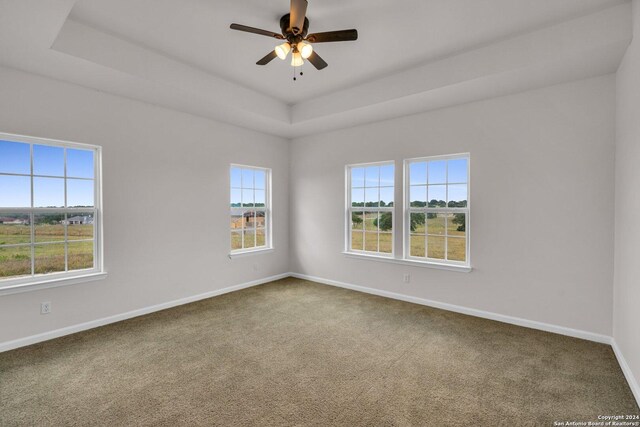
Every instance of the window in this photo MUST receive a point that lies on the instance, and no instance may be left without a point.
(49, 210)
(370, 208)
(250, 208)
(437, 217)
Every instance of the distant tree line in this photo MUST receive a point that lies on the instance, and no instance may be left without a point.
(247, 205)
(385, 221)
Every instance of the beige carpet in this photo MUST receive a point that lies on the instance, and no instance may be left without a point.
(297, 353)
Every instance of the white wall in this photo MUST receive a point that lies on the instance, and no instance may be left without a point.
(542, 197)
(166, 225)
(626, 308)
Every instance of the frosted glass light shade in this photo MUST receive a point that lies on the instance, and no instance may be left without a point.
(296, 59)
(305, 49)
(283, 50)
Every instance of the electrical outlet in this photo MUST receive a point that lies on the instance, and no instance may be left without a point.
(406, 278)
(45, 308)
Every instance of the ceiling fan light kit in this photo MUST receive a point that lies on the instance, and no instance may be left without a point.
(294, 26)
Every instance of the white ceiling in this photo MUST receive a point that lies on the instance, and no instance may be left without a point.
(411, 55)
(393, 35)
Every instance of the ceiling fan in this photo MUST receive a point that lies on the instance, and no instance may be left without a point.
(294, 26)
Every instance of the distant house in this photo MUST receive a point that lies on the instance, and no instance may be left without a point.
(78, 220)
(14, 221)
(250, 220)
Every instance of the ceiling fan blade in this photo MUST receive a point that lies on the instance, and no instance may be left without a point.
(298, 12)
(268, 58)
(256, 31)
(317, 61)
(333, 36)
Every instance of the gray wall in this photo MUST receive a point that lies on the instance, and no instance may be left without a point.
(626, 330)
(166, 224)
(542, 197)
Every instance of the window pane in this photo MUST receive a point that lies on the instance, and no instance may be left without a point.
(80, 255)
(418, 173)
(418, 196)
(371, 221)
(48, 192)
(435, 223)
(260, 219)
(15, 261)
(48, 160)
(456, 249)
(357, 197)
(457, 170)
(357, 220)
(438, 172)
(49, 227)
(80, 226)
(260, 237)
(371, 197)
(417, 223)
(249, 220)
(80, 193)
(260, 180)
(386, 243)
(386, 196)
(457, 224)
(15, 191)
(236, 221)
(386, 176)
(247, 178)
(435, 247)
(236, 240)
(384, 221)
(357, 177)
(236, 177)
(372, 176)
(417, 245)
(357, 240)
(14, 229)
(260, 196)
(236, 198)
(247, 198)
(49, 258)
(15, 157)
(80, 163)
(249, 239)
(457, 196)
(437, 196)
(371, 242)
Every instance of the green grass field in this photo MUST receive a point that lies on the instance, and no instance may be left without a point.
(50, 258)
(426, 240)
(251, 239)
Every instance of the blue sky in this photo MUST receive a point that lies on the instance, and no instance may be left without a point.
(15, 191)
(436, 173)
(248, 186)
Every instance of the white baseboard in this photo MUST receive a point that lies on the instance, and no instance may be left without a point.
(604, 339)
(633, 383)
(33, 339)
(576, 333)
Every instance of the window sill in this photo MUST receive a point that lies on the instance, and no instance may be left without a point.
(233, 255)
(414, 263)
(46, 283)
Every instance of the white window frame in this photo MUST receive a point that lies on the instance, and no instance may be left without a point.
(40, 281)
(241, 210)
(350, 209)
(466, 265)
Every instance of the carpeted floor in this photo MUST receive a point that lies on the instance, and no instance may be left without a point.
(294, 352)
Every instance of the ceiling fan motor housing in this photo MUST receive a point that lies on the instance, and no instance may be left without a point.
(287, 31)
